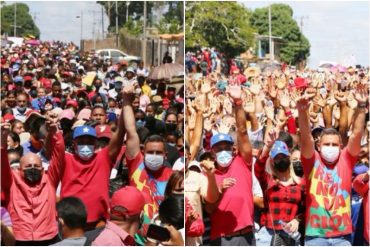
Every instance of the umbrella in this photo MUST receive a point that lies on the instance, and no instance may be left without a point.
(166, 71)
(33, 42)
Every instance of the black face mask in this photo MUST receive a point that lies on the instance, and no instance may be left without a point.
(32, 175)
(171, 127)
(298, 169)
(282, 165)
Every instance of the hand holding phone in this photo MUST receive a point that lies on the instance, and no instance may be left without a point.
(159, 233)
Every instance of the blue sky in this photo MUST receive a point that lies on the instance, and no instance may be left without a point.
(336, 29)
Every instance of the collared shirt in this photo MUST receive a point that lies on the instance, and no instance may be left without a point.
(113, 235)
(32, 209)
(20, 116)
(281, 202)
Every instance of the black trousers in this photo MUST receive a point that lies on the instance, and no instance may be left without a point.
(247, 239)
(38, 243)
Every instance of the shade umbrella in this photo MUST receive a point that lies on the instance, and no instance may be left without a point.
(33, 42)
(166, 71)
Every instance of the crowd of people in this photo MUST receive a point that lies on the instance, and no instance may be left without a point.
(275, 156)
(91, 151)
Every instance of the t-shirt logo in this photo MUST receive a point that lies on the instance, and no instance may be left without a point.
(330, 212)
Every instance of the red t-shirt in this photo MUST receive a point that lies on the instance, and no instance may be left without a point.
(363, 189)
(152, 184)
(235, 209)
(328, 197)
(89, 181)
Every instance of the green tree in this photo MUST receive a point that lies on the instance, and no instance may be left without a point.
(223, 25)
(24, 20)
(295, 47)
(135, 12)
(172, 21)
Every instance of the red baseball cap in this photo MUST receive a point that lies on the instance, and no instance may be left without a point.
(130, 198)
(72, 102)
(103, 130)
(300, 82)
(27, 78)
(8, 117)
(46, 83)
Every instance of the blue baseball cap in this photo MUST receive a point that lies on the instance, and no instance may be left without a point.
(84, 130)
(221, 138)
(18, 79)
(279, 147)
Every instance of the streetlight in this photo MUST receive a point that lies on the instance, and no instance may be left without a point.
(81, 16)
(127, 5)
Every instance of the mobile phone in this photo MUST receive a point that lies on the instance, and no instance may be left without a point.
(159, 233)
(323, 91)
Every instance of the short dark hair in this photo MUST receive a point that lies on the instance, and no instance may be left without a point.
(286, 138)
(330, 131)
(156, 138)
(171, 211)
(73, 212)
(56, 83)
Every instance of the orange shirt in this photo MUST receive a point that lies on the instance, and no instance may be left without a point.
(33, 209)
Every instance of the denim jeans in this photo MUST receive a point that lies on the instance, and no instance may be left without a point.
(264, 236)
(336, 241)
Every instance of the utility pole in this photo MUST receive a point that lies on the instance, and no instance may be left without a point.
(102, 22)
(270, 37)
(116, 24)
(144, 36)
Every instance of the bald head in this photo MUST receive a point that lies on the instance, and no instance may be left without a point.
(29, 160)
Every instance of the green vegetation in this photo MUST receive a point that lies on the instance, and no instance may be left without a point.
(223, 25)
(24, 21)
(295, 47)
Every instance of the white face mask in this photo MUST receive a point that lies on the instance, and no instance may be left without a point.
(224, 158)
(330, 153)
(153, 162)
(85, 152)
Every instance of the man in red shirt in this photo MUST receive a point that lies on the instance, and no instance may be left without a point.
(328, 175)
(86, 172)
(31, 192)
(361, 186)
(232, 215)
(147, 172)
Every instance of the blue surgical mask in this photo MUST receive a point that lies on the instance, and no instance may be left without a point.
(224, 158)
(140, 123)
(85, 152)
(360, 168)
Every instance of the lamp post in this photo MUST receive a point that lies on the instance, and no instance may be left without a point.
(81, 31)
(127, 6)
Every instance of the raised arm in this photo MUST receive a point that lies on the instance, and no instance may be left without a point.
(343, 126)
(57, 158)
(6, 173)
(128, 119)
(196, 139)
(307, 142)
(244, 146)
(116, 141)
(354, 141)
